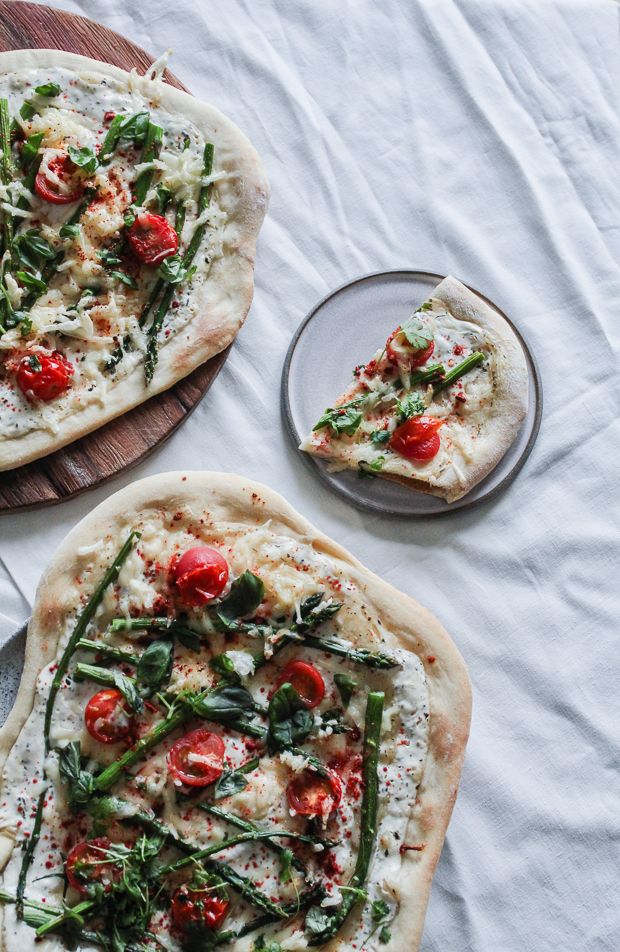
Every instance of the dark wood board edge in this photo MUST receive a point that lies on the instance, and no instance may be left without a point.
(119, 445)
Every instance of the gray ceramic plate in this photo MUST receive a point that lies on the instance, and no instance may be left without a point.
(11, 664)
(344, 330)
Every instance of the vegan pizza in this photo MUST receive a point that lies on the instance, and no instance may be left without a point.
(228, 732)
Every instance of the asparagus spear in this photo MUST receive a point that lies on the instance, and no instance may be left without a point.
(152, 624)
(459, 371)
(150, 151)
(6, 171)
(428, 375)
(112, 654)
(233, 841)
(83, 621)
(190, 253)
(111, 139)
(28, 854)
(368, 817)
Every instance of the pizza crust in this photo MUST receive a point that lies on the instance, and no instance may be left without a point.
(231, 499)
(230, 285)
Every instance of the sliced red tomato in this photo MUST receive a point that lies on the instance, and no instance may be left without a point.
(311, 794)
(64, 169)
(197, 758)
(86, 863)
(306, 680)
(152, 238)
(47, 383)
(417, 438)
(201, 575)
(202, 906)
(400, 351)
(108, 717)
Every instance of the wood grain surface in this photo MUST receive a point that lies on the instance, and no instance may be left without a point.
(124, 442)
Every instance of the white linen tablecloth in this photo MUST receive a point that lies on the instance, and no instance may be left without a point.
(480, 139)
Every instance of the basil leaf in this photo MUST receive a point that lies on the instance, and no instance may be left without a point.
(38, 245)
(129, 691)
(48, 89)
(163, 196)
(85, 159)
(109, 256)
(188, 638)
(344, 419)
(30, 149)
(385, 935)
(155, 666)
(69, 231)
(375, 466)
(135, 127)
(173, 272)
(316, 920)
(246, 594)
(290, 721)
(34, 363)
(346, 687)
(227, 703)
(380, 436)
(286, 856)
(130, 282)
(228, 783)
(29, 281)
(80, 782)
(418, 335)
(224, 666)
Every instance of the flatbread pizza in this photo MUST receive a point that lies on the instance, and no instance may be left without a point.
(228, 732)
(130, 213)
(438, 406)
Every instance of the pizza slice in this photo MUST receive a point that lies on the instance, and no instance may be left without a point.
(129, 214)
(228, 733)
(438, 406)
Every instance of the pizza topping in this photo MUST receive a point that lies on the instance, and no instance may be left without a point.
(198, 758)
(201, 575)
(152, 239)
(58, 180)
(417, 438)
(198, 907)
(108, 717)
(86, 864)
(313, 794)
(410, 345)
(306, 680)
(44, 376)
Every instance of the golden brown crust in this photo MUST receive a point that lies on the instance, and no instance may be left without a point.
(227, 293)
(230, 499)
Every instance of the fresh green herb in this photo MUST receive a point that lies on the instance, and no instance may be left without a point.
(368, 821)
(385, 935)
(380, 436)
(85, 159)
(346, 686)
(127, 686)
(30, 150)
(48, 89)
(370, 468)
(286, 859)
(31, 248)
(317, 921)
(69, 231)
(379, 909)
(412, 405)
(126, 279)
(226, 703)
(418, 334)
(111, 139)
(246, 594)
(344, 419)
(163, 196)
(155, 666)
(134, 127)
(224, 666)
(459, 371)
(34, 363)
(80, 782)
(228, 783)
(173, 271)
(261, 946)
(290, 721)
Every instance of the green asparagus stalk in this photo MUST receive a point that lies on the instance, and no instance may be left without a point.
(368, 817)
(150, 150)
(189, 255)
(6, 170)
(233, 841)
(428, 375)
(151, 624)
(27, 857)
(372, 659)
(83, 622)
(107, 652)
(111, 140)
(459, 371)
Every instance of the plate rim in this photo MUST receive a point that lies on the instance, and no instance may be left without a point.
(365, 505)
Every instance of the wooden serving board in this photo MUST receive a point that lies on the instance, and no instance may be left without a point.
(116, 446)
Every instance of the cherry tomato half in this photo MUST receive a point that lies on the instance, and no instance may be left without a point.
(152, 239)
(417, 438)
(197, 758)
(399, 350)
(47, 383)
(311, 794)
(108, 717)
(86, 864)
(64, 169)
(202, 906)
(201, 574)
(306, 680)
